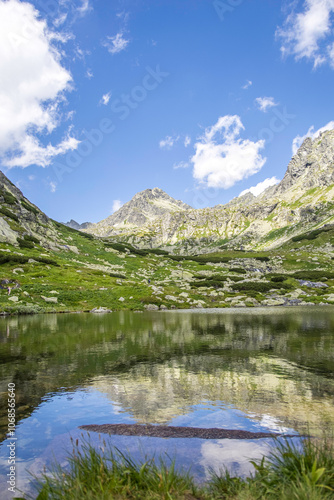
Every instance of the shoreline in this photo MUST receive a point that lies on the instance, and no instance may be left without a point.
(5, 314)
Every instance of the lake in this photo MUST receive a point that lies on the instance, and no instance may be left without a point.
(252, 369)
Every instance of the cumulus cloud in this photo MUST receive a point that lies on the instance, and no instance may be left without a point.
(116, 44)
(309, 33)
(117, 204)
(261, 186)
(105, 99)
(247, 85)
(298, 141)
(222, 158)
(265, 103)
(32, 87)
(168, 142)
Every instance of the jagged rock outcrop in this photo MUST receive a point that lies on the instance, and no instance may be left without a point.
(19, 217)
(75, 225)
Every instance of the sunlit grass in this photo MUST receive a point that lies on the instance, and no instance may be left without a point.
(302, 471)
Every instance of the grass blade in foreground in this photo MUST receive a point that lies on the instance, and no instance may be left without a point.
(290, 472)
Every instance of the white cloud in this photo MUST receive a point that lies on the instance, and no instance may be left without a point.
(309, 33)
(105, 98)
(182, 164)
(53, 187)
(84, 7)
(247, 85)
(31, 177)
(261, 186)
(298, 141)
(222, 158)
(116, 44)
(60, 19)
(32, 153)
(168, 142)
(32, 87)
(117, 204)
(187, 141)
(265, 103)
(89, 74)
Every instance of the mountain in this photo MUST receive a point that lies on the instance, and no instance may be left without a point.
(302, 200)
(75, 225)
(22, 220)
(46, 266)
(141, 210)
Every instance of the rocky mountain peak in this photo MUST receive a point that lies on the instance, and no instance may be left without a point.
(311, 166)
(143, 208)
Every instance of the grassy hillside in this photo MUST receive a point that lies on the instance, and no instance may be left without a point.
(84, 272)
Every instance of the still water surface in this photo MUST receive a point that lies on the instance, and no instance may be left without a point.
(254, 369)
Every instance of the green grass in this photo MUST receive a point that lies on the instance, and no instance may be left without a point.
(88, 272)
(304, 472)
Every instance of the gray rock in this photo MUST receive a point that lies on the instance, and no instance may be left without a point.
(151, 307)
(54, 300)
(274, 302)
(99, 310)
(13, 298)
(313, 284)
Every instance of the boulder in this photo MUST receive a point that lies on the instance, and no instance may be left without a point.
(13, 298)
(99, 310)
(54, 300)
(151, 307)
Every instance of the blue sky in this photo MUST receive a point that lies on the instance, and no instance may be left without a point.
(204, 99)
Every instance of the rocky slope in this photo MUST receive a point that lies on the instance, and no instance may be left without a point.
(141, 210)
(302, 200)
(20, 219)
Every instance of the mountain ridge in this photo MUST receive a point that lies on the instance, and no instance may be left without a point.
(301, 199)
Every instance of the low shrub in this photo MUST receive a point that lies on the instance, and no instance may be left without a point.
(86, 235)
(15, 259)
(117, 275)
(312, 235)
(312, 275)
(262, 259)
(25, 243)
(239, 270)
(258, 286)
(46, 260)
(23, 259)
(22, 309)
(29, 237)
(8, 197)
(208, 284)
(29, 207)
(158, 251)
(278, 279)
(8, 213)
(125, 247)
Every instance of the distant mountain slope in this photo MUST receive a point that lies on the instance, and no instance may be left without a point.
(142, 209)
(75, 225)
(302, 200)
